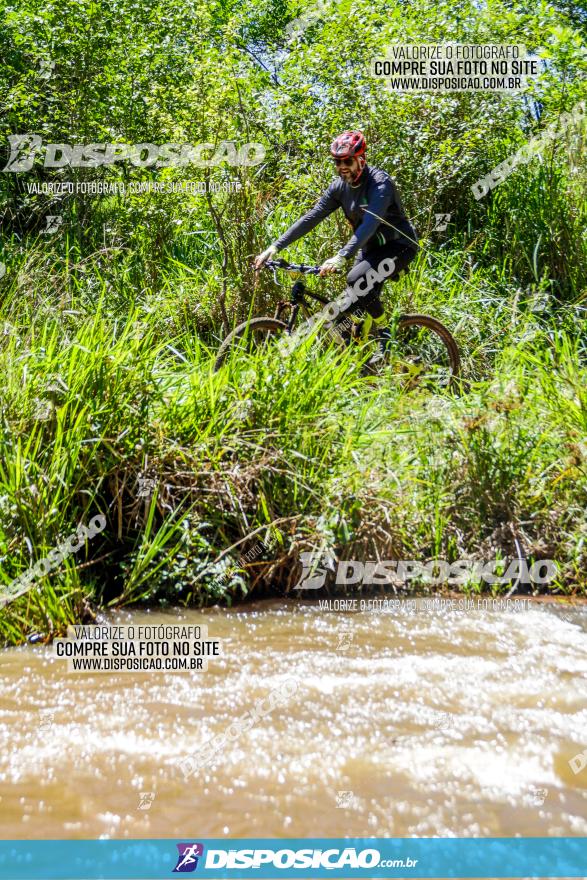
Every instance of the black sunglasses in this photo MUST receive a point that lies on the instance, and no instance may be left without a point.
(344, 161)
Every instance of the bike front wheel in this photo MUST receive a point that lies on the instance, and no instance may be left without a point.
(248, 338)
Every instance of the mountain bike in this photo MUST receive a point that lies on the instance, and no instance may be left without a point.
(421, 349)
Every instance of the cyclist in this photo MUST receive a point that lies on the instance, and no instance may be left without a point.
(381, 230)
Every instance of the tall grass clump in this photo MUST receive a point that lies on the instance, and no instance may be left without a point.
(101, 413)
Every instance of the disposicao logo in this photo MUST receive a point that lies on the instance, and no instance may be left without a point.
(330, 859)
(189, 853)
(24, 149)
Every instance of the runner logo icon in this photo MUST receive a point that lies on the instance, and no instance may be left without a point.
(189, 853)
(313, 576)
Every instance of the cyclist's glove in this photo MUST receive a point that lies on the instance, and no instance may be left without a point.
(266, 255)
(334, 263)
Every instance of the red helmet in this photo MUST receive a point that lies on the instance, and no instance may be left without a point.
(347, 144)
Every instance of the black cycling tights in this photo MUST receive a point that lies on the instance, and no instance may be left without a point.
(371, 259)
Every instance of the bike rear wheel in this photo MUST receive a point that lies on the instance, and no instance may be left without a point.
(248, 337)
(424, 352)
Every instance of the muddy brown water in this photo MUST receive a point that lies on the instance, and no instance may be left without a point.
(426, 724)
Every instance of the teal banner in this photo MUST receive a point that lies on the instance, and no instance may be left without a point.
(303, 858)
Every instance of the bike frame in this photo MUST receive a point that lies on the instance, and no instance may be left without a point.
(298, 293)
(297, 301)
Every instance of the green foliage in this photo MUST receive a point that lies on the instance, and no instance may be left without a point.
(109, 326)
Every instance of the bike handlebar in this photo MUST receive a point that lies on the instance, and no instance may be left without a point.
(292, 267)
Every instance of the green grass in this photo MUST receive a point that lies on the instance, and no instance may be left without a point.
(98, 398)
(108, 327)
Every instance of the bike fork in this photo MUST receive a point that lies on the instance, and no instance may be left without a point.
(297, 293)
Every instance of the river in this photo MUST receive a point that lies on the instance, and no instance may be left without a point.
(433, 723)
